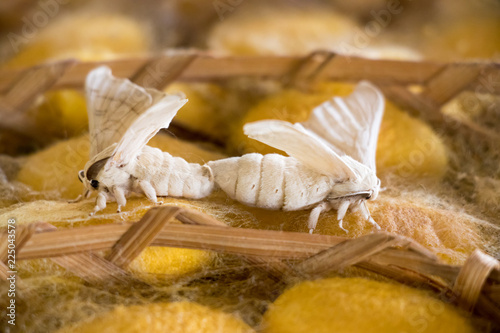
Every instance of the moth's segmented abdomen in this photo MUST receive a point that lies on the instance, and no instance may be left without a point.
(252, 179)
(271, 181)
(178, 178)
(261, 180)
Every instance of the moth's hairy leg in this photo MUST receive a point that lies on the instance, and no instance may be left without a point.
(120, 197)
(342, 210)
(149, 191)
(367, 216)
(100, 203)
(314, 216)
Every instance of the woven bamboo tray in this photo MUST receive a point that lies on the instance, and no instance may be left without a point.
(285, 256)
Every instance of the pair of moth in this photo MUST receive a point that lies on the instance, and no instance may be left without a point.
(331, 162)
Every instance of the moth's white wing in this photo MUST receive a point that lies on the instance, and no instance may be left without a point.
(351, 124)
(145, 127)
(301, 145)
(113, 104)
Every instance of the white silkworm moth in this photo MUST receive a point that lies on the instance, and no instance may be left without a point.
(331, 161)
(123, 117)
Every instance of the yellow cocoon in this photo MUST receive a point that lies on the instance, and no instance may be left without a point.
(409, 147)
(472, 35)
(203, 113)
(85, 36)
(61, 113)
(450, 234)
(157, 264)
(179, 317)
(360, 305)
(406, 145)
(281, 32)
(55, 169)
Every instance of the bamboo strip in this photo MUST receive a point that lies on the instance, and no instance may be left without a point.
(25, 87)
(188, 216)
(383, 72)
(307, 70)
(140, 235)
(444, 80)
(264, 243)
(87, 266)
(404, 276)
(449, 82)
(347, 253)
(274, 266)
(416, 263)
(472, 277)
(238, 241)
(159, 72)
(283, 245)
(426, 108)
(70, 241)
(206, 67)
(22, 235)
(22, 92)
(92, 268)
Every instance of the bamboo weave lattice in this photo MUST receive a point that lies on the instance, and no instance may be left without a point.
(440, 82)
(283, 255)
(475, 286)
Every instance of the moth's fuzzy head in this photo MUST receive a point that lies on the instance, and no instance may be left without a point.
(374, 191)
(91, 174)
(365, 187)
(365, 180)
(371, 184)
